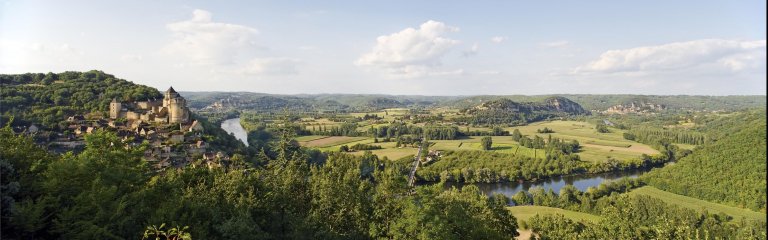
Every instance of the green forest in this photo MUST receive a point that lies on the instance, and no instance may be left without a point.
(48, 99)
(108, 192)
(739, 181)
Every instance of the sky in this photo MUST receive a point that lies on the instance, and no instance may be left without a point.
(398, 47)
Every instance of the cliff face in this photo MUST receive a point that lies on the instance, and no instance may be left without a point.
(561, 104)
(637, 107)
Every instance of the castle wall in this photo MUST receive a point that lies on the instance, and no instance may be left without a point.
(130, 115)
(171, 109)
(142, 105)
(146, 117)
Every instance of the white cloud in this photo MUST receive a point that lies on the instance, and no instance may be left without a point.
(204, 42)
(471, 51)
(271, 66)
(713, 54)
(38, 56)
(417, 71)
(411, 50)
(556, 44)
(489, 72)
(498, 39)
(224, 49)
(131, 57)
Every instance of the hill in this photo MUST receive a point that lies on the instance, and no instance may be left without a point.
(373, 102)
(49, 99)
(311, 102)
(697, 204)
(506, 111)
(552, 104)
(601, 102)
(731, 170)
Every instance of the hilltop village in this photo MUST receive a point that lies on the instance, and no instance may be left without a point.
(174, 138)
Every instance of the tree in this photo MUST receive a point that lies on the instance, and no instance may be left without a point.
(516, 135)
(629, 136)
(176, 233)
(522, 198)
(486, 142)
(602, 128)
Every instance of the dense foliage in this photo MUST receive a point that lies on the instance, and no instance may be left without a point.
(560, 158)
(731, 170)
(275, 189)
(486, 143)
(507, 112)
(643, 217)
(625, 217)
(602, 128)
(441, 132)
(483, 166)
(648, 134)
(108, 192)
(49, 99)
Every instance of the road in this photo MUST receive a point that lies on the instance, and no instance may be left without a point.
(412, 175)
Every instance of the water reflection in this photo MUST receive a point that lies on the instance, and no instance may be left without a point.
(581, 182)
(233, 126)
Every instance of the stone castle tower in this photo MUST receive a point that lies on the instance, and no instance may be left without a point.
(172, 109)
(177, 112)
(114, 108)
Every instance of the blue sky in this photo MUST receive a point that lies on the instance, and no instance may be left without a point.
(398, 47)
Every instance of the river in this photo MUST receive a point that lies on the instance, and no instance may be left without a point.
(582, 182)
(233, 126)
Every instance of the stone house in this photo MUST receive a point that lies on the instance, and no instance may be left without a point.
(196, 127)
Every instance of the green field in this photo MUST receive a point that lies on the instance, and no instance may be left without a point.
(526, 212)
(596, 147)
(685, 146)
(326, 143)
(331, 141)
(309, 138)
(316, 124)
(697, 204)
(502, 144)
(391, 152)
(386, 114)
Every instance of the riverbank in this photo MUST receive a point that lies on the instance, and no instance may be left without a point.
(581, 182)
(232, 126)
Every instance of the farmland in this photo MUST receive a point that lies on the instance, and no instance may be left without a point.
(325, 142)
(596, 147)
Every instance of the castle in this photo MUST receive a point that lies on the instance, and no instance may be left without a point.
(172, 109)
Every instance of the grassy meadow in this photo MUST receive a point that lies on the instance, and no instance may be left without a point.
(596, 147)
(333, 143)
(526, 212)
(502, 144)
(697, 204)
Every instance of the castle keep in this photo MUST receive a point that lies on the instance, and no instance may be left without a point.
(172, 109)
